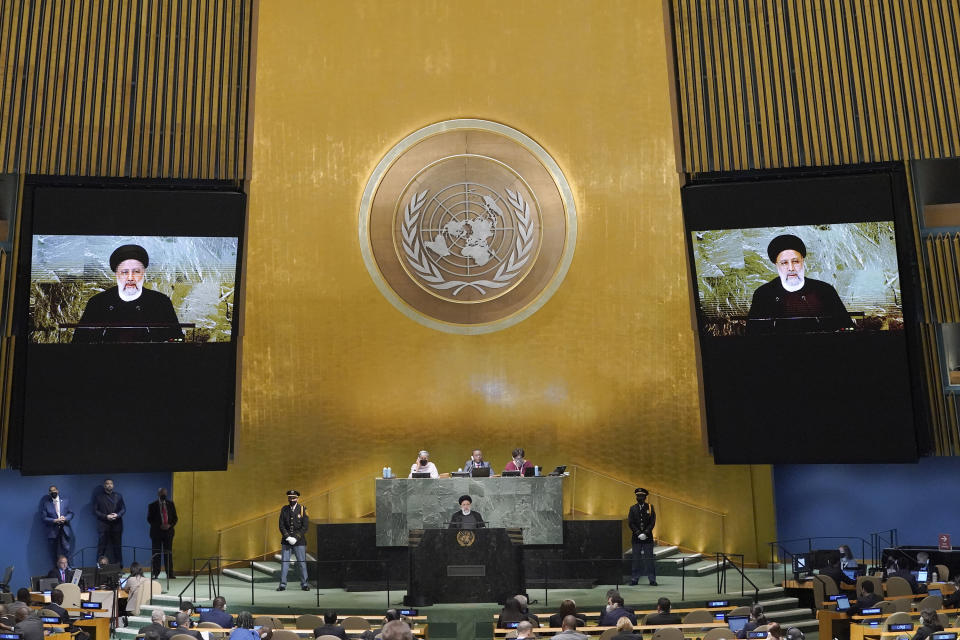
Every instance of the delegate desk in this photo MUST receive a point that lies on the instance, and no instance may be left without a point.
(693, 628)
(534, 505)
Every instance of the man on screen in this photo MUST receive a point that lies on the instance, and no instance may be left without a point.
(791, 301)
(129, 312)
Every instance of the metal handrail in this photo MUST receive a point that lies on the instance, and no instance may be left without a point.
(779, 545)
(722, 575)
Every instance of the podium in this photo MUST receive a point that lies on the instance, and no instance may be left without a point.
(464, 565)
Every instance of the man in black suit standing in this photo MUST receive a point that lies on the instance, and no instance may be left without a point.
(162, 516)
(109, 508)
(56, 514)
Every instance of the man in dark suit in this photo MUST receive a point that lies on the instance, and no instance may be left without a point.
(56, 514)
(330, 627)
(218, 614)
(109, 508)
(834, 571)
(162, 516)
(158, 624)
(183, 626)
(866, 599)
(62, 572)
(663, 616)
(56, 605)
(616, 610)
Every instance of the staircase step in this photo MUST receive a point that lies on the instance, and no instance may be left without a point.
(175, 599)
(703, 568)
(665, 551)
(244, 575)
(769, 591)
(779, 603)
(278, 557)
(787, 614)
(679, 560)
(270, 568)
(804, 624)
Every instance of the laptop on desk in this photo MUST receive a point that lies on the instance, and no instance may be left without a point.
(843, 603)
(480, 472)
(737, 623)
(420, 474)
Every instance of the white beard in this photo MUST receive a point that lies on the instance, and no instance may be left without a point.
(791, 287)
(466, 513)
(129, 297)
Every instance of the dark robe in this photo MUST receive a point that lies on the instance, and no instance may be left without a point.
(816, 306)
(472, 521)
(151, 317)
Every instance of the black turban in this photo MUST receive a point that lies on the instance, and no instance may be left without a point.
(462, 498)
(784, 242)
(129, 252)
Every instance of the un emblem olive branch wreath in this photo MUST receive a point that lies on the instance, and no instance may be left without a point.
(420, 262)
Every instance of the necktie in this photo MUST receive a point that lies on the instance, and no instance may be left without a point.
(63, 576)
(163, 512)
(57, 504)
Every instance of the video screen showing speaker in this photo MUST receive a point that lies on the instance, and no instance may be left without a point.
(804, 289)
(798, 279)
(103, 289)
(127, 326)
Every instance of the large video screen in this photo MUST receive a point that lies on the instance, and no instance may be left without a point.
(127, 326)
(804, 291)
(798, 279)
(132, 288)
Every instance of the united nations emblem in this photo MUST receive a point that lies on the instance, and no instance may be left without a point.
(467, 226)
(466, 538)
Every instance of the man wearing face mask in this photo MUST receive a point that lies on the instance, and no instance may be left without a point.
(293, 529)
(162, 517)
(56, 514)
(792, 302)
(423, 465)
(109, 508)
(642, 518)
(129, 312)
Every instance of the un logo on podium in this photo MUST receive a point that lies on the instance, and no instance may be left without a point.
(467, 226)
(466, 538)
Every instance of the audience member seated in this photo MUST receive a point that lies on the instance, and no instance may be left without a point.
(512, 612)
(569, 628)
(183, 626)
(615, 610)
(56, 605)
(794, 634)
(330, 627)
(567, 608)
(847, 561)
(217, 614)
(397, 630)
(663, 617)
(834, 571)
(525, 610)
(30, 627)
(187, 607)
(952, 601)
(391, 615)
(929, 623)
(525, 630)
(625, 630)
(894, 571)
(62, 571)
(757, 619)
(158, 623)
(774, 632)
(924, 564)
(151, 634)
(866, 598)
(22, 602)
(138, 588)
(245, 630)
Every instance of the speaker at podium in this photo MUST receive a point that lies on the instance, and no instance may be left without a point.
(464, 565)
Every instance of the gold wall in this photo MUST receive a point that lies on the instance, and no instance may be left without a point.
(336, 383)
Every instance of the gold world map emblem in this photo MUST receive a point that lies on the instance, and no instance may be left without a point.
(466, 538)
(467, 226)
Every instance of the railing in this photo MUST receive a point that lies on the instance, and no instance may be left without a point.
(722, 574)
(213, 567)
(590, 494)
(258, 537)
(882, 540)
(779, 553)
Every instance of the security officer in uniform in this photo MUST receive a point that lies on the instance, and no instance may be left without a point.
(642, 519)
(293, 529)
